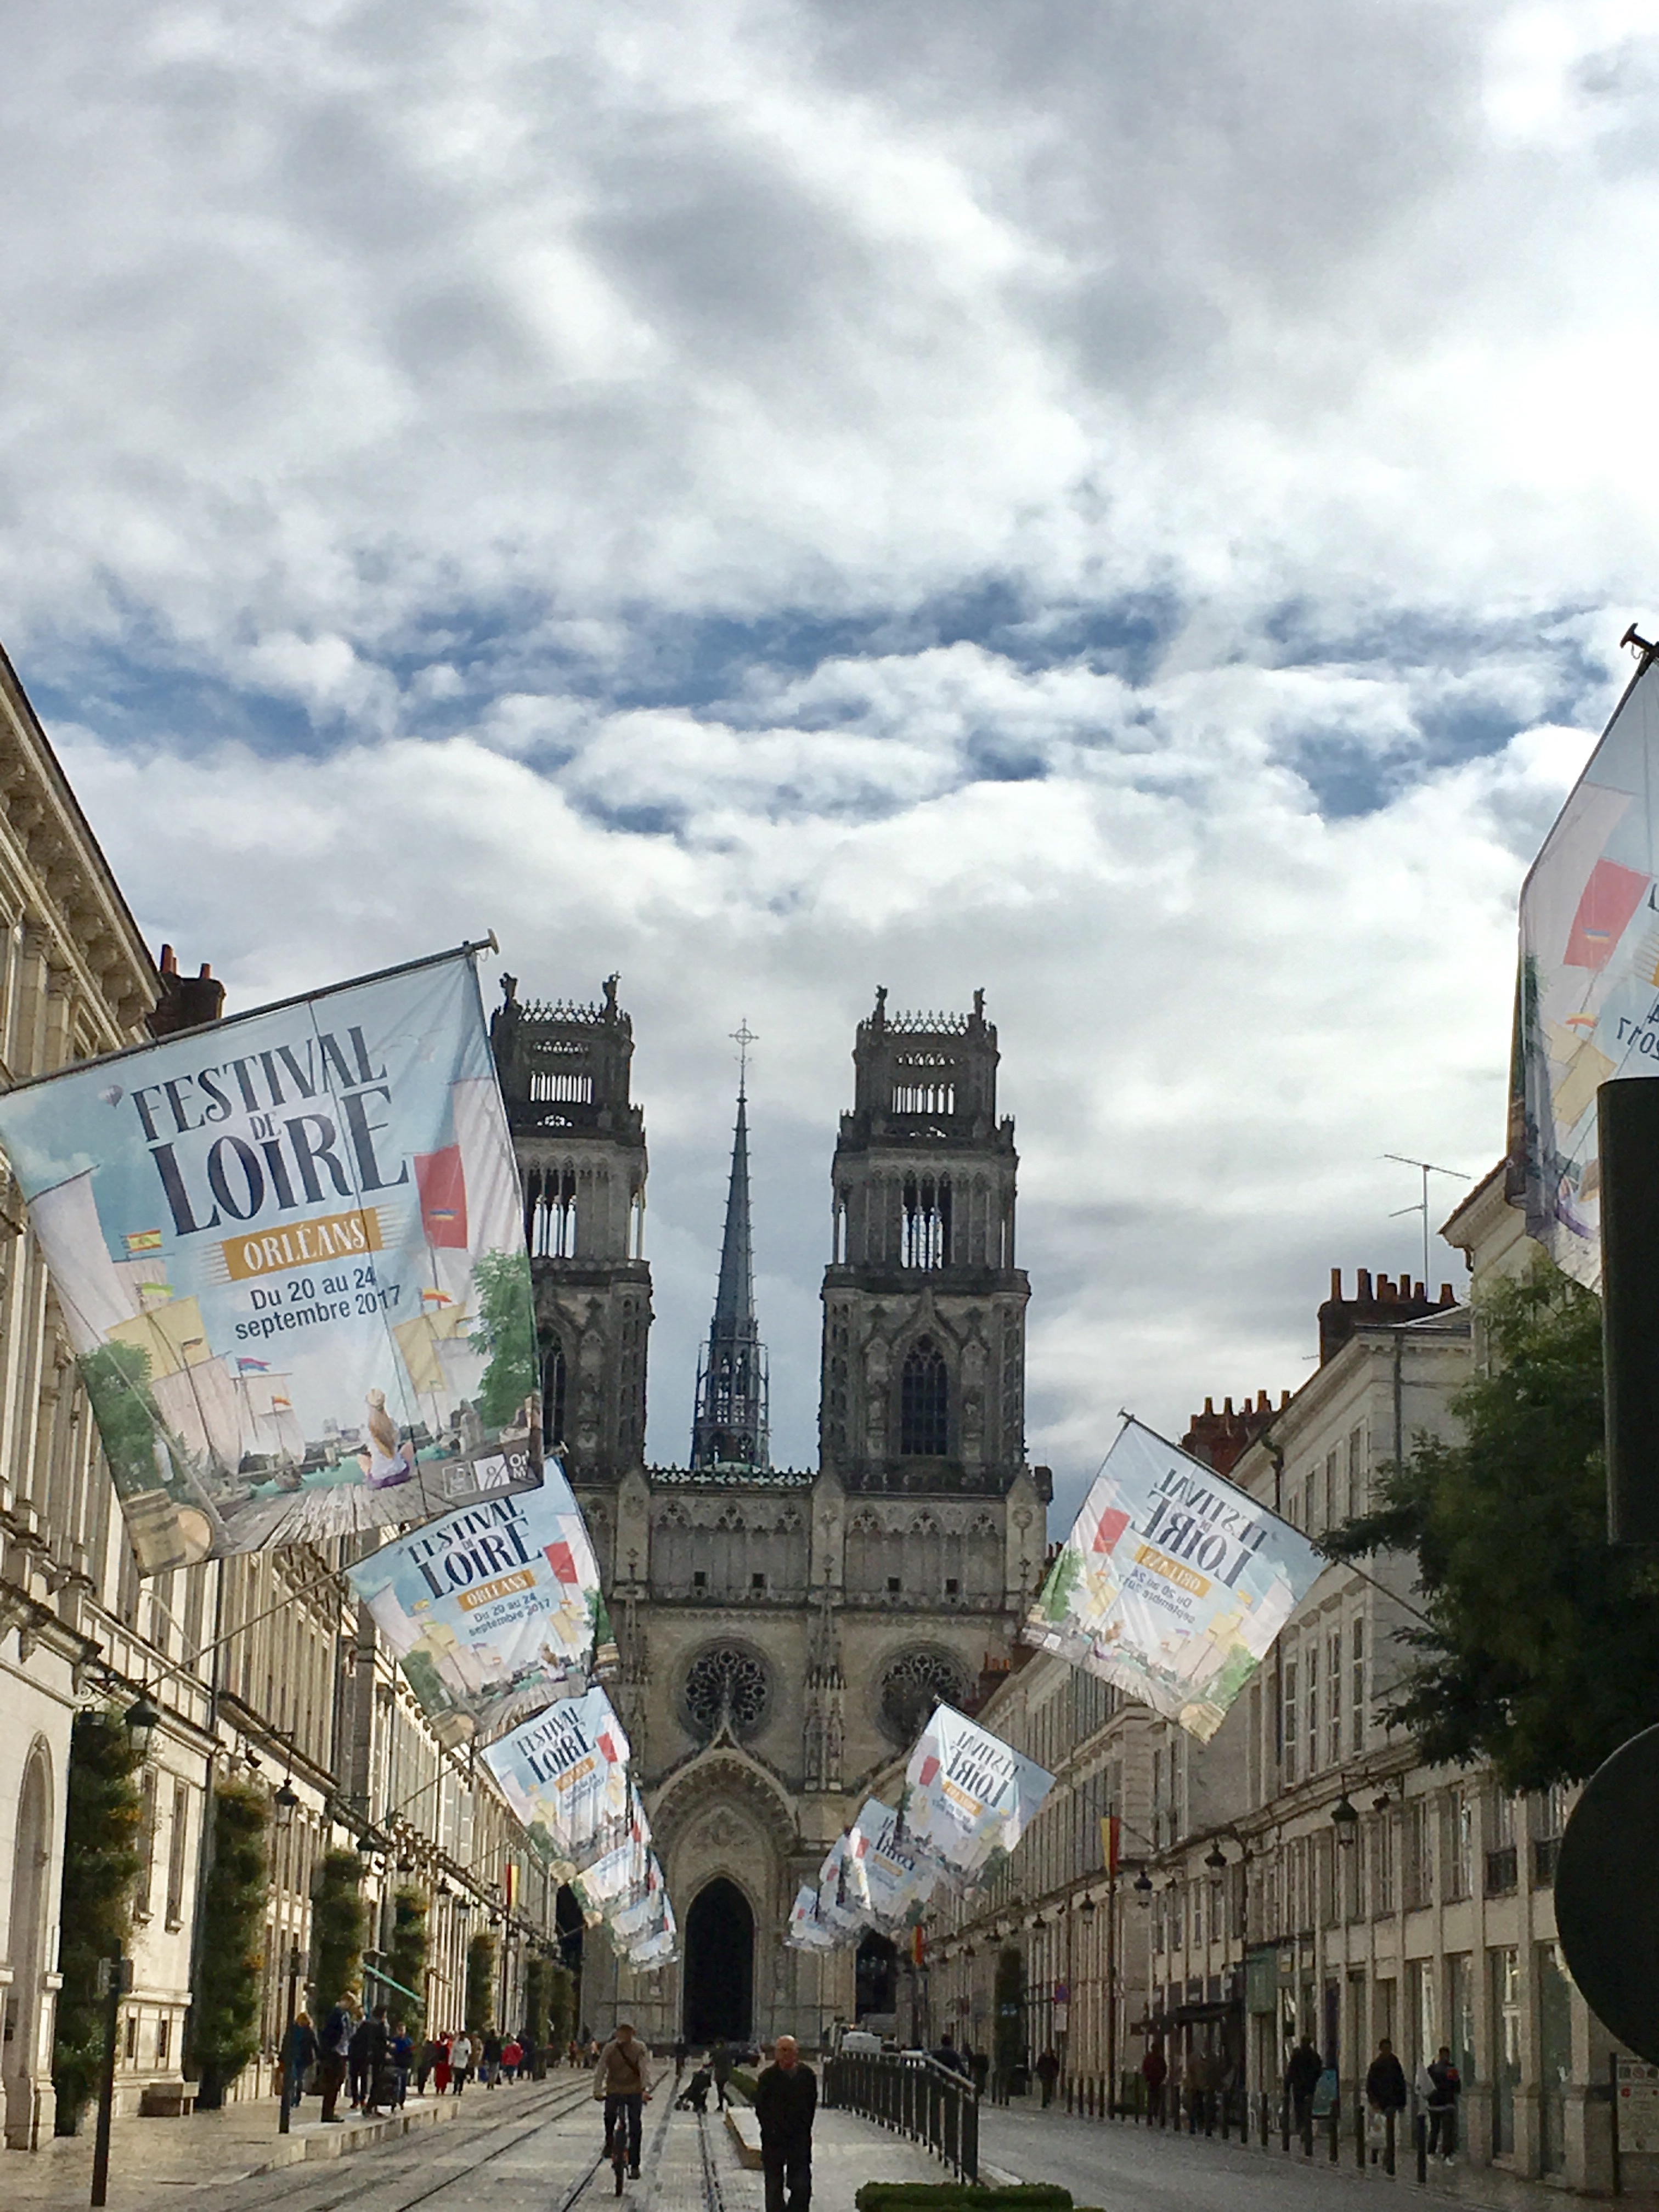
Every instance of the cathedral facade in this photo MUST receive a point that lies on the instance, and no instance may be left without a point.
(783, 1632)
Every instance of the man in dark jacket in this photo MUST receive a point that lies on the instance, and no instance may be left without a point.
(1447, 2085)
(720, 2061)
(1301, 2080)
(948, 2055)
(785, 2098)
(377, 2063)
(335, 2044)
(1385, 2083)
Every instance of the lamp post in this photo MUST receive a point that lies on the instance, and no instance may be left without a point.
(289, 2069)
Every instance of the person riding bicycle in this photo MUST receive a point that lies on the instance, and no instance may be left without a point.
(620, 2079)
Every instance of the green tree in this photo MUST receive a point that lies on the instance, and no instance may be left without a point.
(337, 1930)
(480, 1983)
(505, 1332)
(1539, 1650)
(225, 2017)
(409, 1950)
(535, 2031)
(561, 2003)
(101, 1824)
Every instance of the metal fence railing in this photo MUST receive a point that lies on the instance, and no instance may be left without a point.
(915, 2096)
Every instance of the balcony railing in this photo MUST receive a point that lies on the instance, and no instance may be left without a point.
(915, 2096)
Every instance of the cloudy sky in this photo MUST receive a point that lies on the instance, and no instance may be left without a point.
(1130, 507)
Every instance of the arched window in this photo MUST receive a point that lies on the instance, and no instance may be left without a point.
(926, 1239)
(553, 1387)
(924, 1402)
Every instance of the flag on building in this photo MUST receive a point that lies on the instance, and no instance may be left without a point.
(1587, 999)
(304, 1160)
(494, 1611)
(1172, 1584)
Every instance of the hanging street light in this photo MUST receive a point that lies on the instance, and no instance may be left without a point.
(284, 1805)
(141, 1720)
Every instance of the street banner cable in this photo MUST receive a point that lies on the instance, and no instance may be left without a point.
(495, 1611)
(1586, 996)
(1172, 1584)
(288, 1251)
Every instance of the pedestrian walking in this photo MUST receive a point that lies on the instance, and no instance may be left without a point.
(1155, 2072)
(1301, 2080)
(431, 2052)
(1445, 2086)
(357, 2062)
(786, 2099)
(512, 2057)
(460, 2062)
(377, 2063)
(948, 2057)
(489, 2058)
(1047, 2073)
(619, 2079)
(679, 2058)
(979, 2065)
(441, 2070)
(299, 2057)
(719, 2064)
(403, 2063)
(336, 2043)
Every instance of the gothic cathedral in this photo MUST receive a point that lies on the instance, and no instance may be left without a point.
(783, 1632)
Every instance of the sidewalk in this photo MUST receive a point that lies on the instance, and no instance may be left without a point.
(847, 2152)
(150, 2160)
(1030, 2144)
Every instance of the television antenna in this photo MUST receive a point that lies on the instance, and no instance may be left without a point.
(1425, 1168)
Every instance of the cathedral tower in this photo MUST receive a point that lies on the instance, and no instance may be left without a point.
(729, 1431)
(924, 1309)
(580, 1147)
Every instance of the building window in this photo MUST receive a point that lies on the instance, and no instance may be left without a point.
(1288, 1724)
(553, 1394)
(912, 1686)
(1357, 1681)
(1383, 1850)
(140, 1896)
(1420, 1870)
(1333, 1502)
(177, 1843)
(924, 1402)
(1310, 1692)
(132, 2036)
(1333, 1696)
(1457, 1843)
(926, 1222)
(1356, 1474)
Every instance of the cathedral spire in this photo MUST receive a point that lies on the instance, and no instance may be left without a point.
(728, 1429)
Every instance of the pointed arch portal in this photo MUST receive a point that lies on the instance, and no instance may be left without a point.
(720, 1965)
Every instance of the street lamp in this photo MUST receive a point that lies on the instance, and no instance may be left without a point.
(1346, 1821)
(1088, 1908)
(1143, 1885)
(1216, 1859)
(284, 1805)
(141, 1720)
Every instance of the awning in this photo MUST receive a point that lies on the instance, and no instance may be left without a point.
(385, 1981)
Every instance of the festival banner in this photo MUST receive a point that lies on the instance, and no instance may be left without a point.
(565, 1775)
(1172, 1583)
(1588, 994)
(807, 1931)
(839, 1909)
(493, 1611)
(288, 1252)
(886, 1873)
(969, 1797)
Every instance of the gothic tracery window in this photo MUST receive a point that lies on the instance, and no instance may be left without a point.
(726, 1678)
(924, 1402)
(926, 1236)
(911, 1685)
(553, 1394)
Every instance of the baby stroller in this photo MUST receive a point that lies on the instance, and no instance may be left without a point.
(694, 2097)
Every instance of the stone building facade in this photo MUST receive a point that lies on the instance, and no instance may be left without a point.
(258, 1669)
(783, 1630)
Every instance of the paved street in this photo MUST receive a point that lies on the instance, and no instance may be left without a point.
(527, 2148)
(1124, 2168)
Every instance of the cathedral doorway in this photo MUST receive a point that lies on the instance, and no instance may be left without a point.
(720, 1965)
(875, 1978)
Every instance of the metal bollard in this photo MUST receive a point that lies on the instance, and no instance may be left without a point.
(1284, 2122)
(1359, 2130)
(1388, 2139)
(1420, 2137)
(1336, 2128)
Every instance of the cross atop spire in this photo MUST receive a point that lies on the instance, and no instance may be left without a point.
(728, 1429)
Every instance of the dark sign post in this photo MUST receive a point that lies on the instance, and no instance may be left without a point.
(115, 1980)
(290, 2086)
(1628, 1113)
